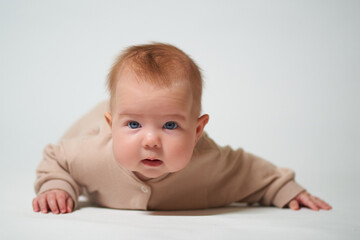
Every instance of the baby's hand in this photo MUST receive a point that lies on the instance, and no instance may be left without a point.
(57, 201)
(307, 200)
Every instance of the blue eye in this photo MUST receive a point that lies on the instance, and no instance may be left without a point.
(170, 125)
(134, 124)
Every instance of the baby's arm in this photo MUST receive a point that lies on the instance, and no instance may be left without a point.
(253, 179)
(55, 184)
(56, 200)
(307, 200)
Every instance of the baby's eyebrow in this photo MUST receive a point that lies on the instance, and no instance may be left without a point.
(139, 115)
(176, 116)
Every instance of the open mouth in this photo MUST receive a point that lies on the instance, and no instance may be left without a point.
(152, 162)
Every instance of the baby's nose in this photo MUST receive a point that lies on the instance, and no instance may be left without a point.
(151, 140)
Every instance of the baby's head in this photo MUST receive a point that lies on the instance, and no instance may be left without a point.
(155, 105)
(158, 64)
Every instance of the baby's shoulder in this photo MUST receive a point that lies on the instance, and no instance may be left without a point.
(90, 123)
(91, 144)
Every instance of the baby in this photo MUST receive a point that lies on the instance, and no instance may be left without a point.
(150, 152)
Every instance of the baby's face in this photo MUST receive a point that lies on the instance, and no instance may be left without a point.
(154, 130)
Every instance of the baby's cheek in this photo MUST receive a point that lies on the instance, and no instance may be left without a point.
(182, 155)
(122, 153)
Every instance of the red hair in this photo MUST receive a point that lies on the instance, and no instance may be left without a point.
(160, 64)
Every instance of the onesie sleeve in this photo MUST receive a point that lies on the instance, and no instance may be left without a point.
(272, 185)
(53, 172)
(235, 175)
(266, 183)
(56, 170)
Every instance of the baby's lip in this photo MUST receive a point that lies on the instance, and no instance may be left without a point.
(152, 162)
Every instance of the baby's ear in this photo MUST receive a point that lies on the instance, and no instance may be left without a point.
(201, 122)
(108, 118)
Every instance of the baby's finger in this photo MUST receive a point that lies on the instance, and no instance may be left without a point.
(35, 205)
(51, 199)
(320, 203)
(42, 203)
(306, 201)
(70, 204)
(61, 200)
(294, 205)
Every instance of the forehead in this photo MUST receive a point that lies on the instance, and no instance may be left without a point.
(137, 95)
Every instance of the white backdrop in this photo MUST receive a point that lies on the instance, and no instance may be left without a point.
(282, 77)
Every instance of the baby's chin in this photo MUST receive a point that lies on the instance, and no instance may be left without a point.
(147, 177)
(149, 171)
